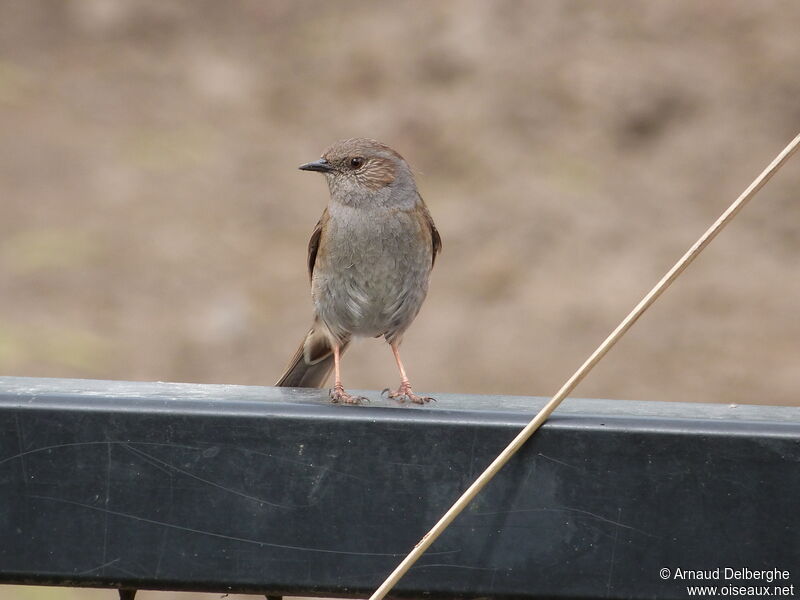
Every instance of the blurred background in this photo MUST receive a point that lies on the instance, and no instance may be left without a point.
(153, 223)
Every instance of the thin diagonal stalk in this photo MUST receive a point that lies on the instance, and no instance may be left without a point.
(584, 370)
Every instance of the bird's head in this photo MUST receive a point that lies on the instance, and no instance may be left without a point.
(362, 171)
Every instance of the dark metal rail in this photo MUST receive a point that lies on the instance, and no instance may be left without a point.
(248, 489)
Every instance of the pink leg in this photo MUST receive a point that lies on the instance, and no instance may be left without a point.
(337, 394)
(404, 392)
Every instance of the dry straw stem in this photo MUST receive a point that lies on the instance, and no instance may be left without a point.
(578, 376)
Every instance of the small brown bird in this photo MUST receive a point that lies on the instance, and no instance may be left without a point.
(369, 259)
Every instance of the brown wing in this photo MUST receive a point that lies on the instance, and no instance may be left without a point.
(436, 239)
(313, 243)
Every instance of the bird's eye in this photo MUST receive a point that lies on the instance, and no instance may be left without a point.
(356, 162)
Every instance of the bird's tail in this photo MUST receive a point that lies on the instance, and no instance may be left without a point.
(312, 364)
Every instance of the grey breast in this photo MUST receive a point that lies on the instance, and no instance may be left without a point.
(377, 272)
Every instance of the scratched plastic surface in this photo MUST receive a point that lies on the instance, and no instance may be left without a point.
(245, 489)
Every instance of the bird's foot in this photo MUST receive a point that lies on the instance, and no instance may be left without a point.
(405, 394)
(339, 396)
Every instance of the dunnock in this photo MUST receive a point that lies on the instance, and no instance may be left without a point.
(369, 259)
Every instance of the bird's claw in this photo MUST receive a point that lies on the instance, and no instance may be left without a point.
(405, 394)
(339, 396)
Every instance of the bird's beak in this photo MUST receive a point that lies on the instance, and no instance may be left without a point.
(322, 165)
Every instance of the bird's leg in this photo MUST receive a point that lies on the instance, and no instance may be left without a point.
(404, 392)
(337, 394)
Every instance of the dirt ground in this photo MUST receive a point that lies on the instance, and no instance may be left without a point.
(153, 223)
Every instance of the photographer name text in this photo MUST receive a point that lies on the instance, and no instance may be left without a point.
(726, 574)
